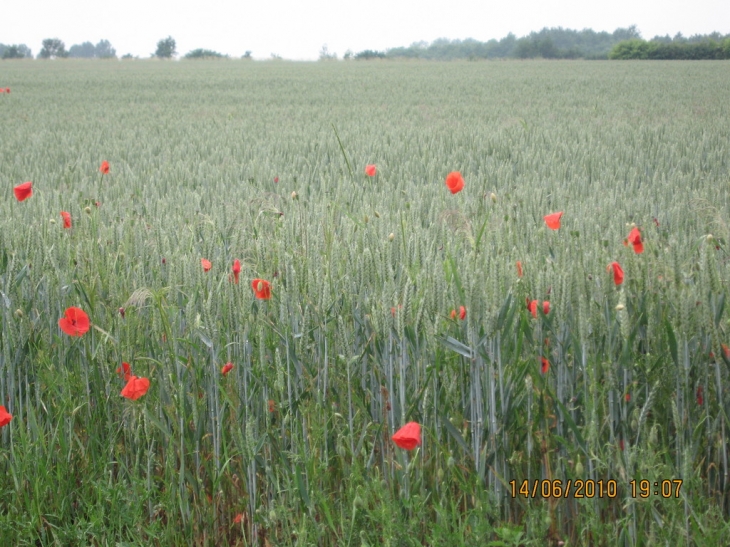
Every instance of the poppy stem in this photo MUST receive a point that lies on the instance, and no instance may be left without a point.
(347, 161)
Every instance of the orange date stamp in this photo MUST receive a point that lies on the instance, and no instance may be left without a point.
(593, 489)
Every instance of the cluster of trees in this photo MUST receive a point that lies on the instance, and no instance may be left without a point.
(55, 48)
(717, 47)
(16, 51)
(549, 43)
(560, 43)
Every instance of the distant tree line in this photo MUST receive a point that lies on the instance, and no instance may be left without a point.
(548, 43)
(709, 47)
(16, 51)
(558, 43)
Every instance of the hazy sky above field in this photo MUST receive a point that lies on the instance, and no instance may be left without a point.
(295, 29)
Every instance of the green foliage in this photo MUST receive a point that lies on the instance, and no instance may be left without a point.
(204, 54)
(549, 43)
(166, 48)
(678, 49)
(368, 54)
(52, 48)
(18, 51)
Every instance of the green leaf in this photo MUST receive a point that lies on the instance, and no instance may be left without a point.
(455, 434)
(573, 427)
(672, 341)
(457, 346)
(300, 485)
(719, 307)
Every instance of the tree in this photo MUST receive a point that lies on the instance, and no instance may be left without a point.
(204, 54)
(53, 48)
(15, 51)
(166, 48)
(325, 55)
(104, 50)
(83, 51)
(247, 55)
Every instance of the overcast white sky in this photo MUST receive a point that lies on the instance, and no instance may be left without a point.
(295, 29)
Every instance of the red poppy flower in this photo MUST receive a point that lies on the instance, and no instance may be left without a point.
(627, 397)
(462, 312)
(545, 366)
(262, 288)
(700, 398)
(453, 314)
(23, 191)
(546, 307)
(635, 239)
(7, 90)
(135, 388)
(66, 219)
(455, 182)
(553, 220)
(370, 170)
(236, 270)
(121, 312)
(519, 268)
(238, 518)
(618, 272)
(75, 322)
(125, 371)
(272, 405)
(228, 367)
(2, 90)
(408, 437)
(5, 416)
(532, 306)
(725, 351)
(104, 168)
(206, 264)
(621, 444)
(656, 222)
(276, 179)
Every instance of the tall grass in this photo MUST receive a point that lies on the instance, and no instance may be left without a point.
(295, 441)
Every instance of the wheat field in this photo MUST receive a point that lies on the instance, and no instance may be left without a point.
(601, 422)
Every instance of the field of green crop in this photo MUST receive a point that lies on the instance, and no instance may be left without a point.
(533, 425)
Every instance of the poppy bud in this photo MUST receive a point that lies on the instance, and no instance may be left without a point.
(391, 236)
(366, 219)
(440, 474)
(493, 197)
(377, 215)
(53, 221)
(450, 462)
(294, 195)
(710, 238)
(18, 313)
(87, 210)
(578, 469)
(620, 307)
